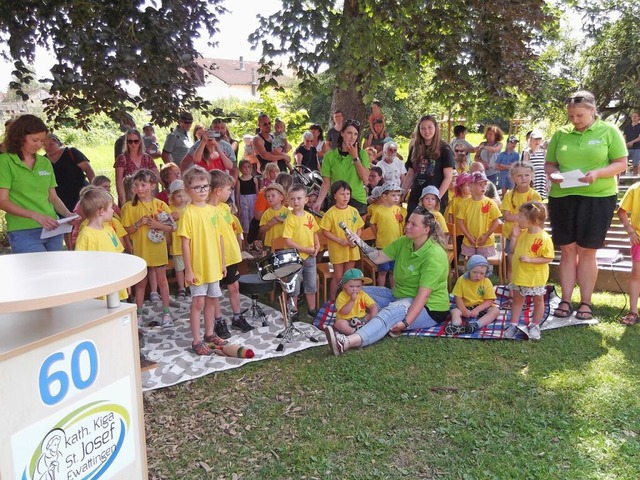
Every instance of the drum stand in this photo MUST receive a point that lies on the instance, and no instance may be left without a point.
(287, 306)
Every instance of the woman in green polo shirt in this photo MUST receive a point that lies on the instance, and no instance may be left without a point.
(581, 215)
(346, 162)
(420, 298)
(28, 188)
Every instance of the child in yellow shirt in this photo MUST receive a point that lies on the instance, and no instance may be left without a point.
(532, 251)
(178, 201)
(387, 223)
(272, 220)
(354, 307)
(430, 199)
(629, 214)
(477, 219)
(475, 299)
(342, 253)
(301, 232)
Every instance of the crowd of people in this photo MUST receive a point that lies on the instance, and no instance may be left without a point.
(207, 204)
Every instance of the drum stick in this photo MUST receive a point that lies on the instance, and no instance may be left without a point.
(366, 249)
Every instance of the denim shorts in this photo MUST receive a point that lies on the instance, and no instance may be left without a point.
(29, 241)
(387, 266)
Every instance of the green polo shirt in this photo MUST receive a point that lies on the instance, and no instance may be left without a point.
(28, 188)
(427, 267)
(589, 150)
(336, 167)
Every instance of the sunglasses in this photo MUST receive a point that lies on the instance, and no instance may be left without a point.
(569, 100)
(200, 188)
(460, 151)
(355, 123)
(265, 124)
(133, 140)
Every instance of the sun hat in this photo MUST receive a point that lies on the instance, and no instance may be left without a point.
(478, 177)
(186, 117)
(391, 187)
(275, 186)
(536, 134)
(430, 190)
(376, 193)
(476, 261)
(355, 274)
(176, 185)
(463, 179)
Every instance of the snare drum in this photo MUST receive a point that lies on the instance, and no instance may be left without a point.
(279, 264)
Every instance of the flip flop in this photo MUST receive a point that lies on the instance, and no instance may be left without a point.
(629, 319)
(584, 315)
(560, 312)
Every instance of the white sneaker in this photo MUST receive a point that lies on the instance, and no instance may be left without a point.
(155, 297)
(534, 332)
(511, 331)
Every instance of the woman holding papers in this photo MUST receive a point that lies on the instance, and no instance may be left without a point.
(28, 188)
(591, 153)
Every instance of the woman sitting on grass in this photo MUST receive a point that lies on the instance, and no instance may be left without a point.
(420, 298)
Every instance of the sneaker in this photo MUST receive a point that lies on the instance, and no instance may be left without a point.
(511, 331)
(155, 297)
(140, 320)
(452, 329)
(167, 321)
(338, 343)
(222, 330)
(182, 296)
(470, 327)
(201, 349)
(356, 323)
(242, 324)
(534, 332)
(313, 314)
(214, 340)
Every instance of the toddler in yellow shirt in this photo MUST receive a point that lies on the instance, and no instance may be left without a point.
(354, 307)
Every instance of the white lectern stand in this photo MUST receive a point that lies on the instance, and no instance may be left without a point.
(70, 396)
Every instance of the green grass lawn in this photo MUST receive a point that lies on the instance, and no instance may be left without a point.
(566, 407)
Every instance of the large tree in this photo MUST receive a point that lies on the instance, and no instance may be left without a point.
(475, 47)
(103, 47)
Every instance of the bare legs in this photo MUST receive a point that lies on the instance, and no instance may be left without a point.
(578, 265)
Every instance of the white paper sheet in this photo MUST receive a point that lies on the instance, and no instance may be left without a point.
(64, 226)
(571, 179)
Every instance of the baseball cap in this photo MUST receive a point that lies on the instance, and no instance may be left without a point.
(513, 139)
(430, 190)
(275, 186)
(176, 185)
(478, 177)
(186, 117)
(355, 274)
(536, 134)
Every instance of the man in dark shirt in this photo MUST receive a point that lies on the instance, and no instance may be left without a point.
(632, 137)
(333, 135)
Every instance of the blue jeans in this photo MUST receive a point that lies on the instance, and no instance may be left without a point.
(29, 241)
(392, 311)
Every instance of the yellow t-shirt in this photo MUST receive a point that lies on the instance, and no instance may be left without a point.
(631, 204)
(198, 224)
(105, 240)
(453, 207)
(224, 218)
(301, 229)
(276, 230)
(389, 222)
(513, 201)
(155, 254)
(330, 222)
(176, 244)
(478, 215)
(441, 221)
(359, 309)
(113, 223)
(474, 293)
(531, 245)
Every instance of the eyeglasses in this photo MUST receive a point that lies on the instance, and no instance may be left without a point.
(200, 188)
(355, 123)
(460, 151)
(569, 100)
(392, 150)
(133, 140)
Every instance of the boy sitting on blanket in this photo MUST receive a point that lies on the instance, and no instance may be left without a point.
(474, 297)
(354, 307)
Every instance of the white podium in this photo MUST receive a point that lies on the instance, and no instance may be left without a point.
(70, 395)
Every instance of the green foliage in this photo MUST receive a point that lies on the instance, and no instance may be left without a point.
(104, 49)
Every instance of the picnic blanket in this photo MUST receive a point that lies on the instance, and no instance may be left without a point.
(175, 362)
(495, 330)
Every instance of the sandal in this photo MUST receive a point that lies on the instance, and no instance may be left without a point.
(629, 319)
(215, 340)
(560, 312)
(584, 315)
(201, 349)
